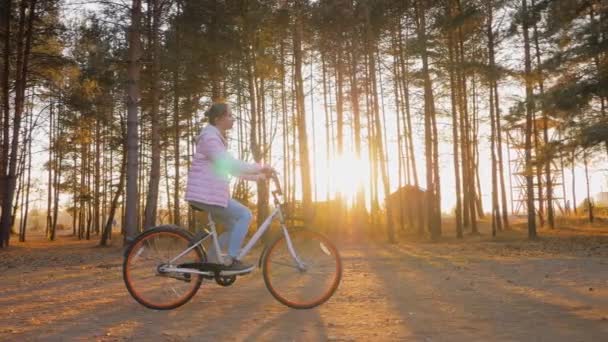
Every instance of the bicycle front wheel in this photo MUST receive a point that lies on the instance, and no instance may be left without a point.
(304, 275)
(143, 275)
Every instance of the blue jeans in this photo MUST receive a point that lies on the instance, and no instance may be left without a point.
(236, 218)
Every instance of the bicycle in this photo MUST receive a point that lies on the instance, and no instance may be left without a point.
(164, 266)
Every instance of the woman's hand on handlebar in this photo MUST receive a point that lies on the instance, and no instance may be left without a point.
(268, 171)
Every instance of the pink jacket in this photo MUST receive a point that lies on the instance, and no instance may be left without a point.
(208, 177)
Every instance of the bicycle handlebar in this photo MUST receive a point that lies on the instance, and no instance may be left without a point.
(274, 176)
(277, 184)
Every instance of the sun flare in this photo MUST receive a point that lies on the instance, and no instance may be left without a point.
(348, 174)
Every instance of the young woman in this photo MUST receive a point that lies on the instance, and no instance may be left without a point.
(208, 185)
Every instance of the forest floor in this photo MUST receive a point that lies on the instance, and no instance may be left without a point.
(477, 289)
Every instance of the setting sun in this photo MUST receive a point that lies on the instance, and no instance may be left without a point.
(349, 173)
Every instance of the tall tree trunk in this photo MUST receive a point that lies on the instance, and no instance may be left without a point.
(573, 183)
(327, 125)
(371, 141)
(505, 212)
(176, 137)
(20, 200)
(254, 142)
(131, 208)
(436, 178)
(404, 64)
(294, 141)
(4, 147)
(339, 100)
(589, 200)
(49, 197)
(468, 179)
(453, 95)
(27, 186)
(546, 157)
(433, 212)
(97, 178)
(529, 113)
(356, 113)
(56, 181)
(373, 157)
(400, 156)
(379, 155)
(74, 195)
(23, 54)
(189, 152)
(262, 187)
(107, 229)
(475, 132)
(496, 219)
(599, 38)
(177, 120)
(58, 145)
(166, 165)
(104, 169)
(340, 210)
(285, 121)
(301, 117)
(143, 167)
(566, 206)
(82, 193)
(495, 216)
(314, 165)
(153, 185)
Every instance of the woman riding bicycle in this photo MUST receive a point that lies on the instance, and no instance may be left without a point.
(208, 186)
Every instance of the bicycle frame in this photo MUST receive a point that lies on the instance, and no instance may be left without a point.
(212, 233)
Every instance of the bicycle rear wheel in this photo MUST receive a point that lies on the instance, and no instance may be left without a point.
(302, 287)
(151, 287)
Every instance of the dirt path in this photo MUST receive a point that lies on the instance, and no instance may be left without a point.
(478, 291)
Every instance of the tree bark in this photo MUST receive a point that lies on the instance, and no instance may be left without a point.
(107, 229)
(49, 197)
(589, 200)
(23, 54)
(546, 158)
(301, 117)
(356, 113)
(529, 113)
(496, 219)
(433, 212)
(27, 185)
(4, 147)
(131, 208)
(176, 126)
(400, 156)
(404, 63)
(97, 178)
(505, 212)
(56, 182)
(573, 183)
(453, 95)
(154, 180)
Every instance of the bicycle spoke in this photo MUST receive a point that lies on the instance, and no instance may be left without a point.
(153, 249)
(284, 264)
(307, 286)
(165, 290)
